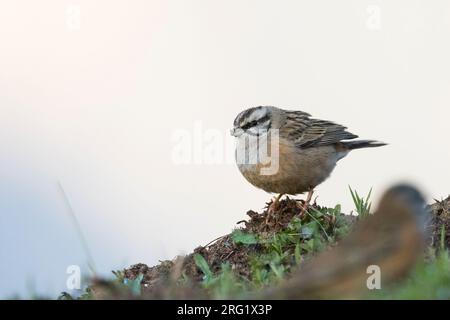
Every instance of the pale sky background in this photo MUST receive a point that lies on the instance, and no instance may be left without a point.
(93, 103)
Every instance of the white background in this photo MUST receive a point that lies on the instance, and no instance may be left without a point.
(93, 103)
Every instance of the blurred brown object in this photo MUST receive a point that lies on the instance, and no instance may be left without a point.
(391, 239)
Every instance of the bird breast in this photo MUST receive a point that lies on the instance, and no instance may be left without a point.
(286, 168)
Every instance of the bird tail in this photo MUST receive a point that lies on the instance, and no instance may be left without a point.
(358, 144)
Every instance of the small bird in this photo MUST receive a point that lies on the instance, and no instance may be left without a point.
(307, 150)
(391, 239)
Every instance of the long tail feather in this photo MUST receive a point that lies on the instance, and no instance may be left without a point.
(358, 144)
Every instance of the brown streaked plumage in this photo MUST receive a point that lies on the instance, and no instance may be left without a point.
(308, 148)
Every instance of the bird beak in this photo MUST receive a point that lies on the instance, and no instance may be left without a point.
(236, 132)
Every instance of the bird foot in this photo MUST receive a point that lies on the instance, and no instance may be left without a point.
(305, 205)
(270, 211)
(273, 207)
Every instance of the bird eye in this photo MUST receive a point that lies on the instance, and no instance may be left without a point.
(255, 122)
(249, 125)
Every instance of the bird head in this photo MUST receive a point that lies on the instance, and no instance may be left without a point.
(253, 121)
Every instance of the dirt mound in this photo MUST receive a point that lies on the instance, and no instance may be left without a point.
(225, 249)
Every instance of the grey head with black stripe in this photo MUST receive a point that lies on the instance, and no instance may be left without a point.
(256, 120)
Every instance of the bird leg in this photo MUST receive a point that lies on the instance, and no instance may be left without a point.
(305, 205)
(273, 207)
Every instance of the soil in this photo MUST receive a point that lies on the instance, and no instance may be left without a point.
(224, 249)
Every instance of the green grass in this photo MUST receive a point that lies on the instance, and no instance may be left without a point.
(427, 281)
(222, 285)
(279, 253)
(362, 205)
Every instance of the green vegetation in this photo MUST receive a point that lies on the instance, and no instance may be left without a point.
(362, 204)
(252, 258)
(428, 281)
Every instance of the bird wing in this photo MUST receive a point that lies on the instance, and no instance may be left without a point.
(308, 132)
